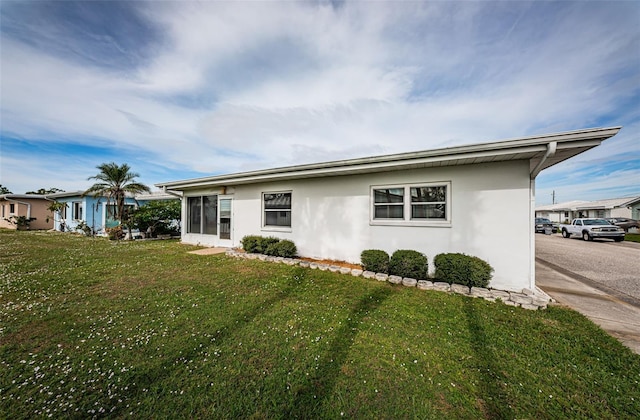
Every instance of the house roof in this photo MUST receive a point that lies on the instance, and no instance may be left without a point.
(607, 204)
(566, 206)
(80, 193)
(22, 196)
(542, 151)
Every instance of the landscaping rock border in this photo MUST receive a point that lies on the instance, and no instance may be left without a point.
(526, 299)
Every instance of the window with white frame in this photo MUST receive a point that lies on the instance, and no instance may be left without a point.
(77, 210)
(411, 204)
(276, 209)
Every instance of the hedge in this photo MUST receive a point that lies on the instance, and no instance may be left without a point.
(284, 248)
(462, 269)
(255, 244)
(375, 260)
(409, 263)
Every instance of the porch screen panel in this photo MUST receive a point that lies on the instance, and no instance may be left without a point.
(225, 218)
(210, 214)
(194, 210)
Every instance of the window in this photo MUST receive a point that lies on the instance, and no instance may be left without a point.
(277, 209)
(202, 214)
(12, 208)
(411, 204)
(77, 210)
(110, 219)
(3, 210)
(388, 203)
(428, 203)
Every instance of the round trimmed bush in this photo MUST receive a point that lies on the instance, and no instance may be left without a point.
(263, 244)
(409, 263)
(462, 269)
(375, 260)
(250, 243)
(286, 249)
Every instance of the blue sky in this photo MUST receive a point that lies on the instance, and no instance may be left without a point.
(188, 89)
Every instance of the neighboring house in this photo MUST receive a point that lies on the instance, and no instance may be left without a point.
(31, 206)
(96, 212)
(627, 207)
(476, 199)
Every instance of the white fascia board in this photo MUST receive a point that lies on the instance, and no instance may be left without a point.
(536, 144)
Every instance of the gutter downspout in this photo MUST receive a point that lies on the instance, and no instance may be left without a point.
(551, 151)
(166, 191)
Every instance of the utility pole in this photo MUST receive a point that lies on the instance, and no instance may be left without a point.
(553, 197)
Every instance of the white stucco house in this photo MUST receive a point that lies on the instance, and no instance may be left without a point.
(626, 207)
(476, 199)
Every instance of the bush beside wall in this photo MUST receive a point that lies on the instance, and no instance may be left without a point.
(462, 269)
(375, 260)
(254, 244)
(409, 263)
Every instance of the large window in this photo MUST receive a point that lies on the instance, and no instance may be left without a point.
(202, 214)
(277, 209)
(411, 204)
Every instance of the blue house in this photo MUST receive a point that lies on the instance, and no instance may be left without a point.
(96, 212)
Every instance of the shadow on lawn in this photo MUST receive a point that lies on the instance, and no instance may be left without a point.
(155, 373)
(494, 402)
(318, 387)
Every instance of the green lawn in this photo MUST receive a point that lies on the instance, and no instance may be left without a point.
(632, 237)
(92, 328)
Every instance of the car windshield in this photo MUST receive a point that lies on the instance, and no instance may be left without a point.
(591, 222)
(540, 220)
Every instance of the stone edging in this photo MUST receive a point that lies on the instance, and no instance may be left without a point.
(527, 299)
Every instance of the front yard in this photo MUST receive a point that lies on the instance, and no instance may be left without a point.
(93, 328)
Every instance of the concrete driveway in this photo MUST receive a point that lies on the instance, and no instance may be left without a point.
(599, 279)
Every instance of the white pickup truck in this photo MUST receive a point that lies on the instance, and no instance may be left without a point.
(589, 229)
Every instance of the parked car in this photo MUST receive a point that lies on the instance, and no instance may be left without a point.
(590, 228)
(624, 223)
(542, 223)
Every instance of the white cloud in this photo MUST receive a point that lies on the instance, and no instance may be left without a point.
(284, 83)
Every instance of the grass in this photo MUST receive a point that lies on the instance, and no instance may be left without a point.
(92, 328)
(632, 237)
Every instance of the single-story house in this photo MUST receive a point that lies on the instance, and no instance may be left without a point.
(96, 212)
(31, 206)
(626, 207)
(476, 199)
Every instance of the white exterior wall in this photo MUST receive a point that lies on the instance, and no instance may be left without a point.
(491, 217)
(621, 212)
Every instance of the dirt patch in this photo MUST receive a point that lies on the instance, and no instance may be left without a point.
(327, 262)
(333, 262)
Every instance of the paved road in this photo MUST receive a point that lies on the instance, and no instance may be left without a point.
(610, 266)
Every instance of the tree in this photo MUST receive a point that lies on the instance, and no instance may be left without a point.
(115, 182)
(57, 207)
(4, 190)
(43, 191)
(157, 217)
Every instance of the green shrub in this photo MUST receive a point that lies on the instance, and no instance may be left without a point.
(375, 260)
(409, 263)
(284, 248)
(250, 243)
(462, 269)
(263, 243)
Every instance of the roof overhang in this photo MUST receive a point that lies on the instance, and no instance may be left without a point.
(535, 149)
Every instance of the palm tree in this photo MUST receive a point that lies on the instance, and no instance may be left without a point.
(114, 182)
